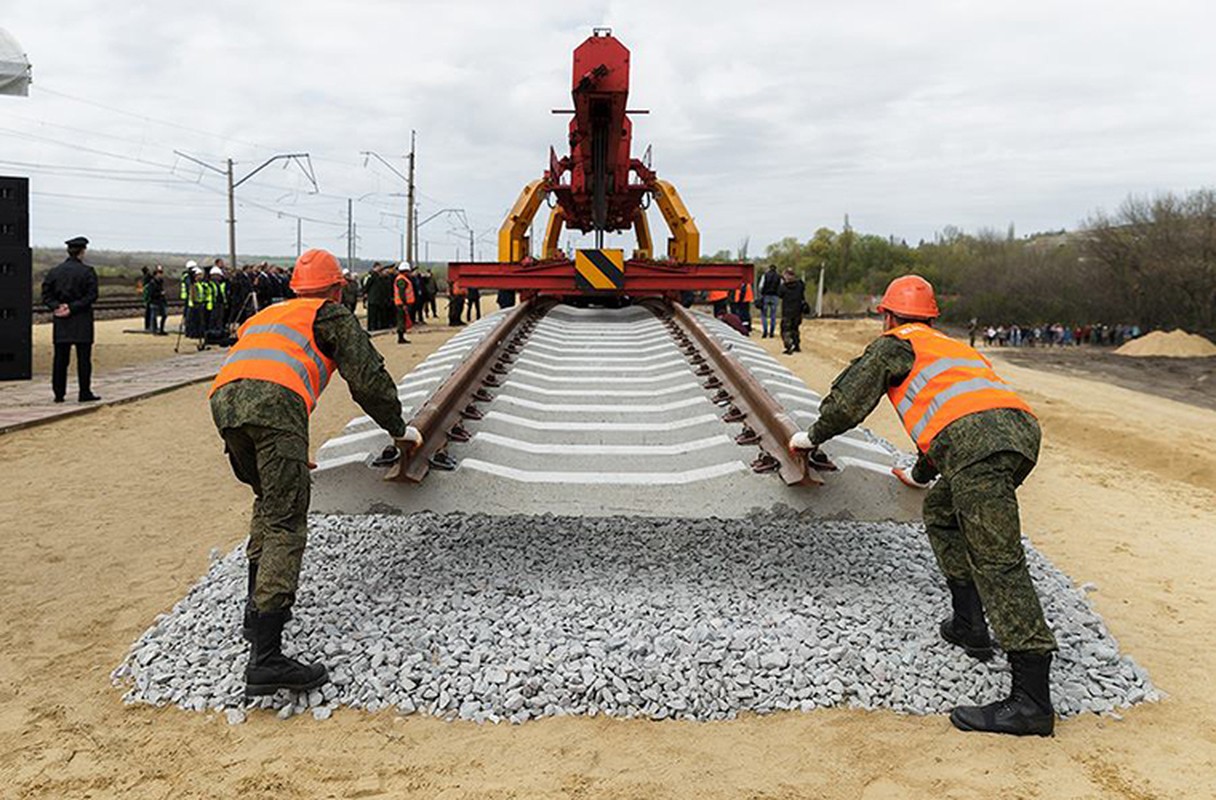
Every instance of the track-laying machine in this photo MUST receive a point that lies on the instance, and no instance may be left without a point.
(643, 407)
(600, 187)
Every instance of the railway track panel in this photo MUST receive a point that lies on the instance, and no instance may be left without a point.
(602, 412)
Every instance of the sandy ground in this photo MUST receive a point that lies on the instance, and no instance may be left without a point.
(107, 519)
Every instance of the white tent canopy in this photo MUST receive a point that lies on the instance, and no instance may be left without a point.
(14, 66)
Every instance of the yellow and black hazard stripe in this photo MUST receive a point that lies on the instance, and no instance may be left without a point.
(599, 270)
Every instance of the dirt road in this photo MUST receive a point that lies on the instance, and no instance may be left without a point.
(107, 519)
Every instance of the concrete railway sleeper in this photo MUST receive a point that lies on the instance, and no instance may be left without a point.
(646, 410)
(732, 387)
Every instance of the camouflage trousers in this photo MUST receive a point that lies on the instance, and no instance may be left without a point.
(973, 526)
(791, 332)
(275, 464)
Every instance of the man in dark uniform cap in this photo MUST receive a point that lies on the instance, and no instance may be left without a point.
(70, 290)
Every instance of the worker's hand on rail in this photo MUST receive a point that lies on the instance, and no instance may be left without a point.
(801, 441)
(905, 477)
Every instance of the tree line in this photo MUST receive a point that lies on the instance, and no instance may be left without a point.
(1152, 262)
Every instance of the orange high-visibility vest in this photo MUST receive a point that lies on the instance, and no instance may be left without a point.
(716, 296)
(277, 345)
(744, 294)
(949, 380)
(408, 300)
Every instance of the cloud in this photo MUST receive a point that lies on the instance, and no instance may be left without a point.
(772, 118)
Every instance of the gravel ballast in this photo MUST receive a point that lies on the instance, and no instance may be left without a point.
(512, 618)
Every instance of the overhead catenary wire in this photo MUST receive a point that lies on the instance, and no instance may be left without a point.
(146, 149)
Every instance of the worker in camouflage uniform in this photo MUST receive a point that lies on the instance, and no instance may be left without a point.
(260, 401)
(982, 439)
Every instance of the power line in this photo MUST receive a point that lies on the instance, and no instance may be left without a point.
(178, 126)
(144, 118)
(82, 148)
(109, 199)
(107, 170)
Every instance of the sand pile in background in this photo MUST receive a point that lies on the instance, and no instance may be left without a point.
(1175, 344)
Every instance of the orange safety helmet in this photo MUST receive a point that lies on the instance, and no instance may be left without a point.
(910, 297)
(315, 270)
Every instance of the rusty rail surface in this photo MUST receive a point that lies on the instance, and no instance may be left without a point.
(439, 418)
(765, 422)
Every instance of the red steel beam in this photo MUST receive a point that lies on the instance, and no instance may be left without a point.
(641, 277)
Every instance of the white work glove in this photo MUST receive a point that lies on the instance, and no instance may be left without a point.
(413, 436)
(905, 477)
(801, 441)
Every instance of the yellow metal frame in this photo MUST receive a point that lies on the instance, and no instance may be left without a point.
(641, 229)
(553, 232)
(684, 246)
(513, 235)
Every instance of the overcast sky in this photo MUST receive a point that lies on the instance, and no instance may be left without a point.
(772, 118)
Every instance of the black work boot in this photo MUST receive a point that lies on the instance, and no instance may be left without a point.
(251, 609)
(1027, 711)
(966, 627)
(269, 670)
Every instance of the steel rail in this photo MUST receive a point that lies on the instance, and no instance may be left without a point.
(438, 419)
(765, 421)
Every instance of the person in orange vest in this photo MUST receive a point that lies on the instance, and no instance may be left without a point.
(261, 399)
(718, 298)
(403, 298)
(456, 295)
(982, 439)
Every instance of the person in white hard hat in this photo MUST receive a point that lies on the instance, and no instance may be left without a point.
(192, 297)
(217, 299)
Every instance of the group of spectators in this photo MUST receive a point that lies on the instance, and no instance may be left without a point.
(216, 298)
(377, 292)
(783, 291)
(1057, 335)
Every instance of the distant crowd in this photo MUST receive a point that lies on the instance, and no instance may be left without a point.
(216, 298)
(1057, 335)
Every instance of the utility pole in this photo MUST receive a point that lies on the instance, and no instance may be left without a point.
(410, 214)
(414, 249)
(819, 294)
(299, 236)
(409, 247)
(472, 256)
(231, 219)
(302, 160)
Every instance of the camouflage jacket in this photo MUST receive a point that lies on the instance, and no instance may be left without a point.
(253, 402)
(886, 362)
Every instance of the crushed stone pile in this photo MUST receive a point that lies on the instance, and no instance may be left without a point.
(514, 618)
(1175, 344)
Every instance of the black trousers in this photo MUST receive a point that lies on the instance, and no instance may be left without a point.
(84, 368)
(160, 313)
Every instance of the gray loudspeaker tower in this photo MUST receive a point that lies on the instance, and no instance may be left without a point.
(16, 281)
